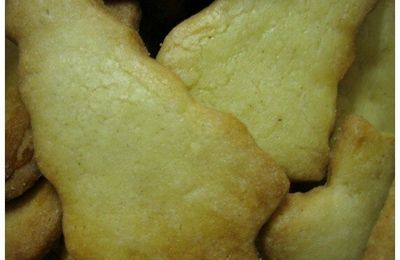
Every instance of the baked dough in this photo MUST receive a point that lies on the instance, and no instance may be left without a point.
(273, 64)
(21, 169)
(32, 223)
(334, 221)
(368, 88)
(142, 170)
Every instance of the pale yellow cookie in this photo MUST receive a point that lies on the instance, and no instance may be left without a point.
(20, 168)
(335, 221)
(142, 170)
(381, 244)
(273, 64)
(368, 88)
(32, 223)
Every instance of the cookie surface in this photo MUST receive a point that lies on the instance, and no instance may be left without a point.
(142, 170)
(368, 88)
(381, 243)
(21, 171)
(273, 64)
(32, 222)
(335, 221)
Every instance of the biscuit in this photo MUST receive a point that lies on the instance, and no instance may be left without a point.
(21, 171)
(381, 241)
(273, 64)
(126, 11)
(142, 170)
(334, 221)
(368, 88)
(32, 223)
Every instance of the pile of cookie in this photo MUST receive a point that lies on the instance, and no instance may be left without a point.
(260, 129)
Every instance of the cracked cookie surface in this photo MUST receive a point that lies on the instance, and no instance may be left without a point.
(142, 170)
(273, 64)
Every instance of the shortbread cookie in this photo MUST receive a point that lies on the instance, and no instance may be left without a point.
(335, 221)
(273, 64)
(381, 242)
(368, 88)
(21, 171)
(126, 11)
(32, 223)
(142, 170)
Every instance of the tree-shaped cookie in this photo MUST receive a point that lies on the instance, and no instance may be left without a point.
(273, 64)
(335, 221)
(142, 170)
